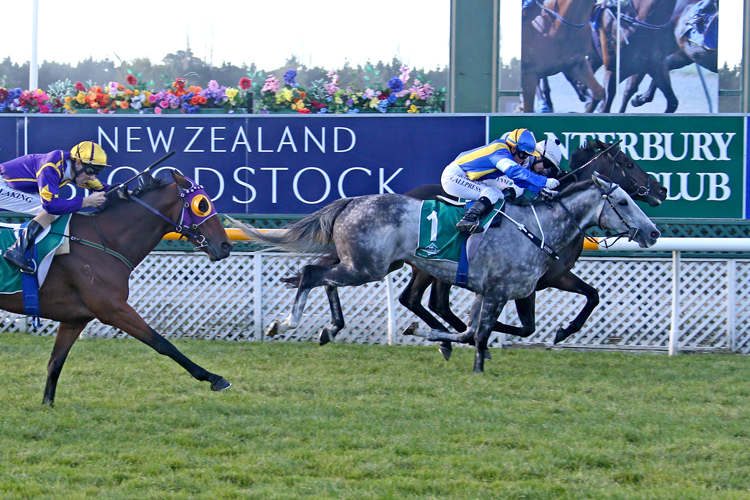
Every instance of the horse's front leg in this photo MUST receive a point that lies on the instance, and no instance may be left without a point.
(122, 316)
(569, 282)
(67, 334)
(630, 89)
(337, 316)
(491, 305)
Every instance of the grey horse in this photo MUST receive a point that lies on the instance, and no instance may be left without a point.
(375, 234)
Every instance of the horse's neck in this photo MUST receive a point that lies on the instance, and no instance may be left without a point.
(561, 228)
(132, 230)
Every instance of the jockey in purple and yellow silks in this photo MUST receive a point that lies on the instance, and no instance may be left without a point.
(483, 173)
(31, 185)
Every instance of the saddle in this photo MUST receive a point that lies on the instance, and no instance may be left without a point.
(51, 242)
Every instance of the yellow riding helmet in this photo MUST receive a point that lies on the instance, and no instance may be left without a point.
(90, 153)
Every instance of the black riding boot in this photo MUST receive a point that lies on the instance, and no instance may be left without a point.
(470, 221)
(16, 252)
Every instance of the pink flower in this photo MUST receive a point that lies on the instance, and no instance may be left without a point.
(44, 109)
(272, 84)
(152, 98)
(213, 86)
(404, 74)
(164, 104)
(157, 110)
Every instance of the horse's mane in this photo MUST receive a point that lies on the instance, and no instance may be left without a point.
(569, 189)
(584, 153)
(145, 185)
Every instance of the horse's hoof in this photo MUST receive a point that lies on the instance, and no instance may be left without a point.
(325, 337)
(478, 371)
(273, 329)
(221, 385)
(637, 101)
(487, 355)
(446, 352)
(409, 330)
(560, 335)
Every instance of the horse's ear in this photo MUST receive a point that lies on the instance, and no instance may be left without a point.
(599, 181)
(600, 144)
(180, 179)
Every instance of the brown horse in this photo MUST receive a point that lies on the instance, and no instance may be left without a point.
(92, 280)
(689, 48)
(557, 40)
(645, 43)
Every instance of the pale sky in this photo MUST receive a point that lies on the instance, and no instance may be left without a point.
(322, 34)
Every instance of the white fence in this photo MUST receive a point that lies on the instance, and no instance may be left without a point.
(186, 296)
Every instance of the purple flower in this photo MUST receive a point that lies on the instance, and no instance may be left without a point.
(395, 84)
(289, 77)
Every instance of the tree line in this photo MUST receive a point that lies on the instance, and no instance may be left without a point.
(184, 64)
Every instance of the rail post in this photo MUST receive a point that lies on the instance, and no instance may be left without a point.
(731, 301)
(258, 299)
(674, 332)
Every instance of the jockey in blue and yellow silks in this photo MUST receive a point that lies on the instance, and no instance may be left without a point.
(31, 185)
(483, 173)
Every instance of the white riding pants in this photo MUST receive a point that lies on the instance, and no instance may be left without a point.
(456, 183)
(22, 202)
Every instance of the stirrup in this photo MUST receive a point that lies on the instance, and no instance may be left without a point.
(27, 266)
(476, 227)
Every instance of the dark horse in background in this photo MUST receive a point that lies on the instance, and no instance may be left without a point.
(696, 27)
(556, 38)
(92, 280)
(645, 43)
(595, 156)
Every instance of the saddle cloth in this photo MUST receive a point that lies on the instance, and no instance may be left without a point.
(50, 243)
(438, 238)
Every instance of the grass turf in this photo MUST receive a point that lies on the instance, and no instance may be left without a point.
(371, 422)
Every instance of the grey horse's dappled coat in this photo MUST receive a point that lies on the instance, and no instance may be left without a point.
(372, 235)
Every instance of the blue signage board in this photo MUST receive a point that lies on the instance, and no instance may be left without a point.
(11, 137)
(274, 164)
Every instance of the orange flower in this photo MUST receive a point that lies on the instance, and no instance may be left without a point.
(194, 89)
(124, 104)
(128, 92)
(202, 100)
(120, 87)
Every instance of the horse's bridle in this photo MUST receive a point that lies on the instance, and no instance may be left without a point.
(631, 233)
(640, 190)
(196, 209)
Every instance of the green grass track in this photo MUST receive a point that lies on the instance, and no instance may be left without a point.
(371, 422)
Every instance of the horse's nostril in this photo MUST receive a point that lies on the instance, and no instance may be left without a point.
(655, 234)
(226, 245)
(663, 191)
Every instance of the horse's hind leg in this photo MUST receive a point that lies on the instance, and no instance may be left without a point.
(337, 316)
(526, 310)
(67, 334)
(569, 282)
(124, 317)
(411, 298)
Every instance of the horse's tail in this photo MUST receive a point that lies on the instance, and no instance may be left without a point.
(310, 234)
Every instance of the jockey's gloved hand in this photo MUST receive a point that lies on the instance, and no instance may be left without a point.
(119, 193)
(551, 184)
(548, 193)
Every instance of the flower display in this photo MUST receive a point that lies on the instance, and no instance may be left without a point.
(401, 93)
(327, 95)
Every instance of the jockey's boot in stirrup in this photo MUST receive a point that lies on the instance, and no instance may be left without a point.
(16, 252)
(470, 221)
